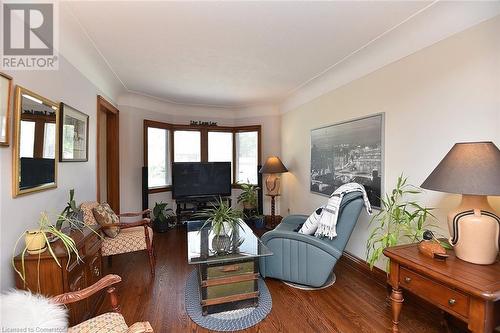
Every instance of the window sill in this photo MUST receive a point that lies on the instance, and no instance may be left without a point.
(160, 189)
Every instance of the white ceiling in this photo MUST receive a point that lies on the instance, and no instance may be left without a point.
(232, 54)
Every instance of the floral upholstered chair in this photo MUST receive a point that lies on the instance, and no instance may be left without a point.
(132, 236)
(110, 322)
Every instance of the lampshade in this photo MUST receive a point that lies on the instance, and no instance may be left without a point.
(469, 168)
(273, 165)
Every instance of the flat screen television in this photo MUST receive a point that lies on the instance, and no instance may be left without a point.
(197, 179)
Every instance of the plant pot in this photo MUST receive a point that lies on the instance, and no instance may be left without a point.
(35, 241)
(77, 220)
(221, 244)
(248, 206)
(259, 222)
(161, 225)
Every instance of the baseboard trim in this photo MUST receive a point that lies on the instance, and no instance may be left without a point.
(360, 265)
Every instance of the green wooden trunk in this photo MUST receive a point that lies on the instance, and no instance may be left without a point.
(228, 286)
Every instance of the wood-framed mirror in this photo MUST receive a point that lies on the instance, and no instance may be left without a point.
(36, 142)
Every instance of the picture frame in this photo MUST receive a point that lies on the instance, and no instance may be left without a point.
(74, 132)
(5, 109)
(349, 151)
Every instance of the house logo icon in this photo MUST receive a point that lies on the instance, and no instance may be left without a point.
(29, 36)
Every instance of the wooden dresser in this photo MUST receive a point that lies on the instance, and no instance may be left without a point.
(466, 291)
(55, 280)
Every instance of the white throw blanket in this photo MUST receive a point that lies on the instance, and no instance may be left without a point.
(323, 222)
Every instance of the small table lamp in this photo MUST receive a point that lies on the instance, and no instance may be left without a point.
(473, 170)
(273, 167)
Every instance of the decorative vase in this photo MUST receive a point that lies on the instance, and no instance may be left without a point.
(35, 241)
(77, 220)
(221, 244)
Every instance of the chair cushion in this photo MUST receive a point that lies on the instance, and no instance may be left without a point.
(140, 327)
(104, 215)
(88, 214)
(128, 240)
(110, 322)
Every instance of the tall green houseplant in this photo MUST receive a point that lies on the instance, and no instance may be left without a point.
(401, 220)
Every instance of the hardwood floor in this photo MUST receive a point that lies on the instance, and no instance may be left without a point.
(355, 303)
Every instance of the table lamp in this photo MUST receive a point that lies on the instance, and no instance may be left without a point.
(473, 170)
(273, 167)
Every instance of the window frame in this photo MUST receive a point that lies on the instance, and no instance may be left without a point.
(203, 144)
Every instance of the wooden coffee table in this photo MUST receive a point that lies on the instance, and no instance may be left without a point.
(228, 279)
(467, 291)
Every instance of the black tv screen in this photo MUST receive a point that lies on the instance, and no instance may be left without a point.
(196, 179)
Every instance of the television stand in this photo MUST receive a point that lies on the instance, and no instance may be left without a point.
(188, 207)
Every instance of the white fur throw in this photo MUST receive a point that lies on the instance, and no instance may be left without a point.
(22, 311)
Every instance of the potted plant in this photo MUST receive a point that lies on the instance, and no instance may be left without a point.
(37, 242)
(400, 220)
(225, 223)
(248, 198)
(72, 212)
(163, 217)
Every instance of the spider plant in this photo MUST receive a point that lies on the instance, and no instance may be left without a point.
(401, 220)
(222, 218)
(45, 228)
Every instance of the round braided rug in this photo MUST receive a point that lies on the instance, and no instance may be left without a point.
(230, 320)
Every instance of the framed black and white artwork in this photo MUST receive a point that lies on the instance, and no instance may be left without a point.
(350, 151)
(74, 144)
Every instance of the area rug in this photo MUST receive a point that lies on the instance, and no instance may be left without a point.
(230, 320)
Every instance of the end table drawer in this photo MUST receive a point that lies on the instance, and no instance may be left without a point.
(434, 292)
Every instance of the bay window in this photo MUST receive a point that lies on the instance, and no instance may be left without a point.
(158, 157)
(247, 157)
(166, 143)
(187, 146)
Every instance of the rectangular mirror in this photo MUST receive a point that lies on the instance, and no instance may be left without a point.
(36, 146)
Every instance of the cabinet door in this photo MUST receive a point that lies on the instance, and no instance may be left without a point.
(77, 281)
(94, 273)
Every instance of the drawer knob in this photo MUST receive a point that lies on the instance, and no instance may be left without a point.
(452, 301)
(96, 271)
(407, 279)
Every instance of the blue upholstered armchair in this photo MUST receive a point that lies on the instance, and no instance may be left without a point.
(305, 259)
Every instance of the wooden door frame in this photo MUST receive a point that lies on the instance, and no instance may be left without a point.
(113, 161)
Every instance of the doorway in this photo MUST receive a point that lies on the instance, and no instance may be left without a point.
(108, 154)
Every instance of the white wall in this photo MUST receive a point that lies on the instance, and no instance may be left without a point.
(446, 93)
(66, 85)
(135, 108)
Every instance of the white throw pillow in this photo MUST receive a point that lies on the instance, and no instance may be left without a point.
(22, 311)
(311, 224)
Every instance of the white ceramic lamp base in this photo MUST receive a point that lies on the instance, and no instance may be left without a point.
(475, 229)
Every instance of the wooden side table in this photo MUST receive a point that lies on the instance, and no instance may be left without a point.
(464, 290)
(72, 276)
